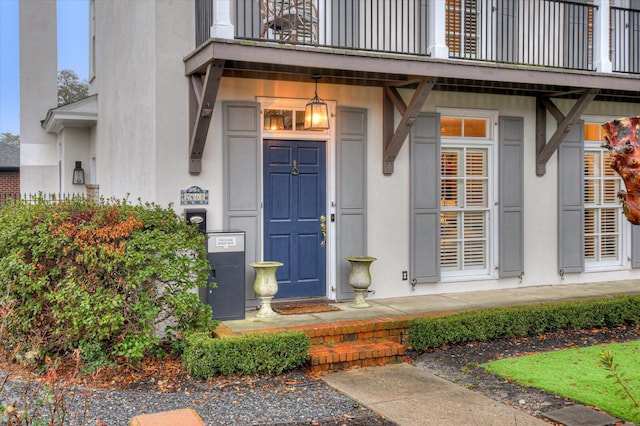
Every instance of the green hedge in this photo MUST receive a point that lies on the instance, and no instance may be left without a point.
(205, 356)
(527, 320)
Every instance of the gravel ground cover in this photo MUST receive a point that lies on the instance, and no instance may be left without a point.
(112, 398)
(291, 398)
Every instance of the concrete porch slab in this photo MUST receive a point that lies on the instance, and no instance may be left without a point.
(434, 304)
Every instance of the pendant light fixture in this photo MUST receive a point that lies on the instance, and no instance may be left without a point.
(316, 113)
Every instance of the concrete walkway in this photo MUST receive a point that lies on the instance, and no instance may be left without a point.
(409, 396)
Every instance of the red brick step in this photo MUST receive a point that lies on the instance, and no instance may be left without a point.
(359, 353)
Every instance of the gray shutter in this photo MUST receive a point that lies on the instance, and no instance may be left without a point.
(507, 31)
(511, 219)
(425, 199)
(635, 246)
(241, 151)
(352, 192)
(571, 201)
(344, 23)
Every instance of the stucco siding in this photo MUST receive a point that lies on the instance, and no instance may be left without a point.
(125, 68)
(175, 29)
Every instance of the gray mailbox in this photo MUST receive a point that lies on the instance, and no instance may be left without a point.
(227, 259)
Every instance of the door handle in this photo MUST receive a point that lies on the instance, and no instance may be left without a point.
(323, 230)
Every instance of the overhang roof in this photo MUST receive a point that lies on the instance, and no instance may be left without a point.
(274, 61)
(82, 113)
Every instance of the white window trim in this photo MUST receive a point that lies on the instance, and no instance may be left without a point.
(490, 142)
(625, 227)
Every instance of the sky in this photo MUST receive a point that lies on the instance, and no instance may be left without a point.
(73, 53)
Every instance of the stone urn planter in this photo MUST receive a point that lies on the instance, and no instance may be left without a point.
(360, 278)
(265, 286)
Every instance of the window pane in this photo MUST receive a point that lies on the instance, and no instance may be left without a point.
(474, 254)
(476, 193)
(609, 221)
(609, 247)
(592, 132)
(474, 225)
(449, 188)
(299, 120)
(589, 248)
(610, 189)
(475, 127)
(589, 221)
(449, 225)
(450, 126)
(476, 163)
(449, 255)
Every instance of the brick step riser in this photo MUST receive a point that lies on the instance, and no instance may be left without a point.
(339, 356)
(377, 329)
(339, 366)
(331, 336)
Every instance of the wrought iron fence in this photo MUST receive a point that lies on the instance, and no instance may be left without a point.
(550, 33)
(40, 196)
(624, 25)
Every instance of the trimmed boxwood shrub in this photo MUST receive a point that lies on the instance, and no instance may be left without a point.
(205, 356)
(528, 320)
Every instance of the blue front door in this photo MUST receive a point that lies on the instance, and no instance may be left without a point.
(294, 215)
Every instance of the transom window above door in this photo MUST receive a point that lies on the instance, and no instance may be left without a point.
(283, 119)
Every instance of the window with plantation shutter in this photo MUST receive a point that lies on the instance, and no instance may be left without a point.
(462, 28)
(603, 220)
(464, 209)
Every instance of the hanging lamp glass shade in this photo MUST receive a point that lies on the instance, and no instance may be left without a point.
(316, 113)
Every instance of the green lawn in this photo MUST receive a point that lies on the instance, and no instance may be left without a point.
(578, 374)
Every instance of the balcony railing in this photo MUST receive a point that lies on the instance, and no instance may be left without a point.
(375, 25)
(547, 33)
(625, 40)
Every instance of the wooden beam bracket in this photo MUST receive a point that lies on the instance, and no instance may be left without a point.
(545, 149)
(202, 100)
(393, 141)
